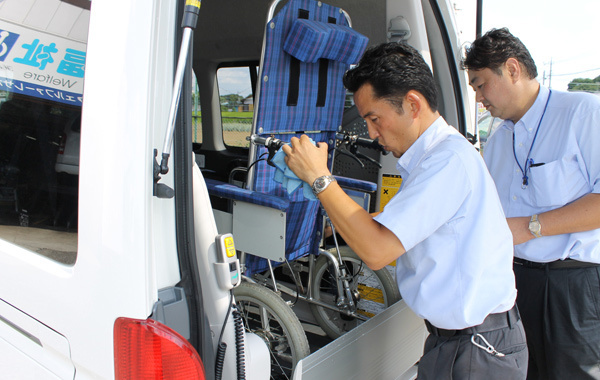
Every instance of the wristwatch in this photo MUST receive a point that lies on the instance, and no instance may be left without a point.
(321, 183)
(535, 227)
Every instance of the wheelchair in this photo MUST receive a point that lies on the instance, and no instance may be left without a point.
(285, 256)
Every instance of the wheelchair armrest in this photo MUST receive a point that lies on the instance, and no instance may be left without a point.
(356, 184)
(226, 190)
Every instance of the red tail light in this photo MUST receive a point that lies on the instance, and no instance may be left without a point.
(146, 349)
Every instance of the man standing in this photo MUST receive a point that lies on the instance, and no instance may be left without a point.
(445, 226)
(545, 160)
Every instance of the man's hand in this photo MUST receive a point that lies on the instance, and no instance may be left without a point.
(306, 160)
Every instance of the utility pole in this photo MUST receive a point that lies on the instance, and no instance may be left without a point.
(478, 18)
(544, 78)
(550, 78)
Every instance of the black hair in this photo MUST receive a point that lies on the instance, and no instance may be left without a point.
(494, 48)
(393, 69)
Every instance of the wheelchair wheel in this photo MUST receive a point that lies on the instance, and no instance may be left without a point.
(267, 315)
(373, 291)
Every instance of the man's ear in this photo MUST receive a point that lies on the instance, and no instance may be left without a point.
(513, 67)
(414, 102)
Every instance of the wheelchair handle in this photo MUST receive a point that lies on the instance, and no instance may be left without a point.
(271, 143)
(355, 140)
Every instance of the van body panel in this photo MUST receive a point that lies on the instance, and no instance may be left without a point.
(115, 271)
(40, 348)
(22, 366)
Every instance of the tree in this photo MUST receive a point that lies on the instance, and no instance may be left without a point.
(585, 84)
(231, 101)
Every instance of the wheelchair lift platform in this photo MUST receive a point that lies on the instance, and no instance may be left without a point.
(387, 346)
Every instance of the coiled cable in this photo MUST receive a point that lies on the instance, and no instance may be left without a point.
(220, 359)
(239, 343)
(222, 346)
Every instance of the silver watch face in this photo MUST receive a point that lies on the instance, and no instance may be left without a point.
(321, 184)
(535, 226)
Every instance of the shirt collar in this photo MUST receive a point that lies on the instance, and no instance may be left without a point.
(435, 133)
(532, 117)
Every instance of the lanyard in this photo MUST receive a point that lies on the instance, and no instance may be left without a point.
(529, 161)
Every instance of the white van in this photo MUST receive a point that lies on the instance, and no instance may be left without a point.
(111, 266)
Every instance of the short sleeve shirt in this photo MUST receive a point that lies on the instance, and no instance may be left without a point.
(457, 268)
(566, 166)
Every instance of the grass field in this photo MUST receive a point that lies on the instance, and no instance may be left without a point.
(236, 127)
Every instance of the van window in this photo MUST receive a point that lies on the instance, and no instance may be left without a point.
(42, 62)
(196, 113)
(237, 104)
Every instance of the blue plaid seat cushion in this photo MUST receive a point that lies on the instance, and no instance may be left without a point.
(310, 40)
(356, 184)
(274, 115)
(228, 191)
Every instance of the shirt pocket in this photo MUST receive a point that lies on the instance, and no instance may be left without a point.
(557, 183)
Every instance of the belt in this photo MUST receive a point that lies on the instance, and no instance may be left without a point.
(490, 323)
(558, 264)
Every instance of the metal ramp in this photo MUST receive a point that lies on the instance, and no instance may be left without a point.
(387, 346)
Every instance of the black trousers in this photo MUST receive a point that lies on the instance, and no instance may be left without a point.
(458, 358)
(560, 309)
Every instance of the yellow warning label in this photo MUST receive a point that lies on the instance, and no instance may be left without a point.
(193, 3)
(229, 246)
(390, 184)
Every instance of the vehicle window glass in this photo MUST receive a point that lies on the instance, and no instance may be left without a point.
(348, 100)
(237, 104)
(196, 112)
(41, 95)
(486, 125)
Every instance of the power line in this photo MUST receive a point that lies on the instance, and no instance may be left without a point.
(579, 72)
(227, 90)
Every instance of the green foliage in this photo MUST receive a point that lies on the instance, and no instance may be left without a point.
(237, 121)
(585, 84)
(231, 101)
(237, 114)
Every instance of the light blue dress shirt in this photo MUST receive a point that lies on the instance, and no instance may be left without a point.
(566, 158)
(457, 268)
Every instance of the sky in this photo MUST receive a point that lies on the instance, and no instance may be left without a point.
(563, 37)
